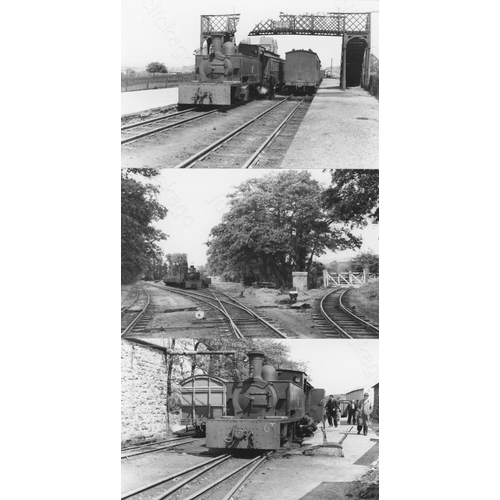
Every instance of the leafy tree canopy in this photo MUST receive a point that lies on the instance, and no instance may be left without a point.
(353, 196)
(156, 67)
(276, 225)
(174, 262)
(366, 260)
(139, 209)
(236, 367)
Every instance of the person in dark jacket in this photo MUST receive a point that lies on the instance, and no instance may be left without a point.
(272, 86)
(351, 412)
(331, 408)
(307, 426)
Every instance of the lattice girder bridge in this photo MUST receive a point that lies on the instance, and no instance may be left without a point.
(354, 28)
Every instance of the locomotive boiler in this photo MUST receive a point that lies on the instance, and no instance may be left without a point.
(226, 73)
(264, 411)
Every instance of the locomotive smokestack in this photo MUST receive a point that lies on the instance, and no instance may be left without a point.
(255, 359)
(217, 42)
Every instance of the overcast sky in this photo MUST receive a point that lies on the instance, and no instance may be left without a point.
(168, 32)
(196, 199)
(338, 366)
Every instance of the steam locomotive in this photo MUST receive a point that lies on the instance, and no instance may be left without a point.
(263, 412)
(188, 279)
(225, 73)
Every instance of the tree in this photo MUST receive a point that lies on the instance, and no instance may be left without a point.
(156, 67)
(353, 196)
(315, 272)
(174, 262)
(366, 260)
(236, 367)
(129, 72)
(139, 209)
(276, 225)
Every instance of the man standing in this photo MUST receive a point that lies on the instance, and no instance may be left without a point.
(364, 412)
(331, 408)
(351, 412)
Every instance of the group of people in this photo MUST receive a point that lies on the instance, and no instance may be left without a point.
(357, 413)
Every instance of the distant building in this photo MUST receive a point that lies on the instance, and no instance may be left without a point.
(269, 43)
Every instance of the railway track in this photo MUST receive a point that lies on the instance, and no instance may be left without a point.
(247, 321)
(241, 320)
(152, 447)
(223, 467)
(244, 147)
(334, 319)
(134, 131)
(136, 316)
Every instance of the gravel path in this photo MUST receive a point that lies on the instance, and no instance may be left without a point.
(340, 130)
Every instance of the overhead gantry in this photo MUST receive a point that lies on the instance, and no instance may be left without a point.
(354, 28)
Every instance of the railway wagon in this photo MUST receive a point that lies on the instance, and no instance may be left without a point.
(202, 397)
(227, 74)
(302, 71)
(189, 279)
(264, 411)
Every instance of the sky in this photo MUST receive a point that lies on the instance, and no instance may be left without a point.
(338, 366)
(196, 200)
(156, 30)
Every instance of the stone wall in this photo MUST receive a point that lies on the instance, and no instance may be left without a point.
(144, 383)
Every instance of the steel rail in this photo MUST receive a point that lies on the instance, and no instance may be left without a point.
(124, 308)
(256, 316)
(189, 479)
(325, 315)
(172, 476)
(172, 445)
(243, 479)
(362, 321)
(152, 443)
(198, 297)
(130, 327)
(245, 309)
(236, 330)
(170, 125)
(277, 130)
(213, 146)
(223, 478)
(166, 117)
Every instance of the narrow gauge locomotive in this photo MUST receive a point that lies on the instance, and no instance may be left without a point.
(264, 411)
(303, 71)
(202, 397)
(225, 73)
(188, 279)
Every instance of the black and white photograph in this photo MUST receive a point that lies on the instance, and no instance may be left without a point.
(250, 250)
(250, 85)
(250, 419)
(260, 253)
(237, 292)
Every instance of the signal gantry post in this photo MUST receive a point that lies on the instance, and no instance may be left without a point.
(354, 28)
